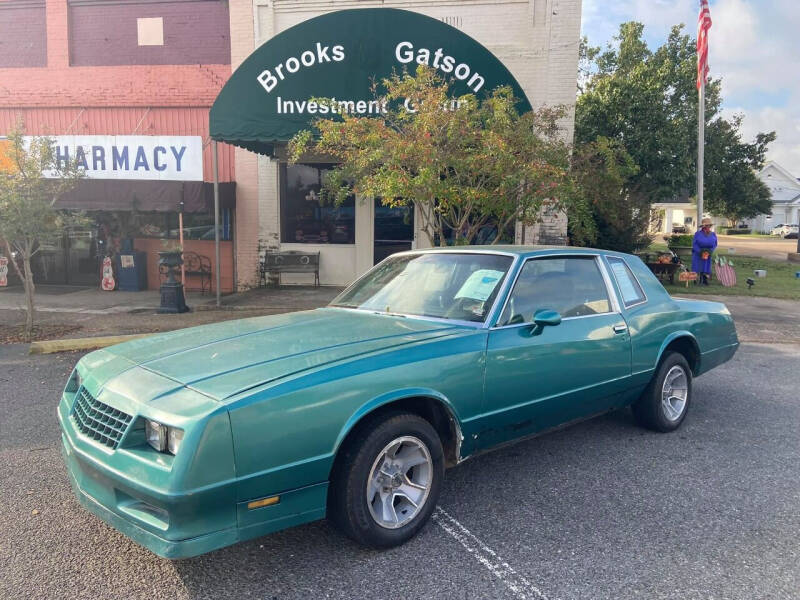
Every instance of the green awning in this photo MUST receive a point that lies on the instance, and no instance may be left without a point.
(339, 55)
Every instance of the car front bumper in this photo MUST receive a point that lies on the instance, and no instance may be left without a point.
(174, 524)
(165, 548)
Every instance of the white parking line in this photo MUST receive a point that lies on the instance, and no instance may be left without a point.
(519, 586)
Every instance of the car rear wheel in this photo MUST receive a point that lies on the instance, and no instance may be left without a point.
(665, 402)
(386, 483)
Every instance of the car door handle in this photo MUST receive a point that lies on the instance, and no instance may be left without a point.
(620, 328)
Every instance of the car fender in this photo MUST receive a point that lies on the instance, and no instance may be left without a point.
(671, 338)
(402, 394)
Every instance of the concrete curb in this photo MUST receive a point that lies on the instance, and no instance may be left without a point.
(91, 343)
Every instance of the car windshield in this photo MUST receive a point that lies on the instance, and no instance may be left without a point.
(459, 286)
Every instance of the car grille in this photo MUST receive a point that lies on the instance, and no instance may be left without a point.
(99, 421)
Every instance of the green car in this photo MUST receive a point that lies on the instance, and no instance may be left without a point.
(196, 439)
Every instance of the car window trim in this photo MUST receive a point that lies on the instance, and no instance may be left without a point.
(490, 314)
(601, 266)
(619, 287)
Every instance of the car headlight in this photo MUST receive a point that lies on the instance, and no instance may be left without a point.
(163, 438)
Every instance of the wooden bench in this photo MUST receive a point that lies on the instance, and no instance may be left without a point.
(288, 261)
(197, 267)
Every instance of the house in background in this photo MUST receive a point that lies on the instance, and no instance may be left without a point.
(785, 189)
(677, 215)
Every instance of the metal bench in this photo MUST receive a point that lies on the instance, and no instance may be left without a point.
(198, 268)
(289, 261)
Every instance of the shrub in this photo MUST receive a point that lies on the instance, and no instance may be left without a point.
(683, 239)
(736, 231)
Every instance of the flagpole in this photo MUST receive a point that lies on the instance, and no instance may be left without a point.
(701, 125)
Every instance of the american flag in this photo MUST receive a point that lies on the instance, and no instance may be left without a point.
(703, 25)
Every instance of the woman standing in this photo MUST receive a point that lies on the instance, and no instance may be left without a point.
(704, 243)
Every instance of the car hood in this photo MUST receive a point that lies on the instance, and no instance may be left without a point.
(227, 358)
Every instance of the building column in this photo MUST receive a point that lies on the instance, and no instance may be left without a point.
(269, 203)
(56, 12)
(246, 163)
(365, 234)
(421, 240)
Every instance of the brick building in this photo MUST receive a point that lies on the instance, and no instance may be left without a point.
(146, 73)
(100, 76)
(536, 40)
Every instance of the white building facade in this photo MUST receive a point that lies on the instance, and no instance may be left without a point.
(785, 189)
(536, 40)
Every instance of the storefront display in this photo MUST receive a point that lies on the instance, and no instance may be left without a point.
(306, 216)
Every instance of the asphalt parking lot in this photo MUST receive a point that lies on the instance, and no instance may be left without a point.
(600, 510)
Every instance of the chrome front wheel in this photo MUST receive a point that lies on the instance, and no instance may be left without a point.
(386, 479)
(399, 482)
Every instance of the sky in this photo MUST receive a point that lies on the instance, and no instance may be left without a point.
(754, 47)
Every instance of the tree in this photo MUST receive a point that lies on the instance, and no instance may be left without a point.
(465, 164)
(732, 188)
(646, 101)
(606, 210)
(31, 181)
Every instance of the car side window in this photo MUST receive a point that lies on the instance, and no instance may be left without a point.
(573, 286)
(629, 287)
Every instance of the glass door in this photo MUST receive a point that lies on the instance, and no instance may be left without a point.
(394, 230)
(49, 263)
(83, 266)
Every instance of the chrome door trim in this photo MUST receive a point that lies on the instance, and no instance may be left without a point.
(612, 293)
(612, 296)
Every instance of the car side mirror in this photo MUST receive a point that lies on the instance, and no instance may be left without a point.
(545, 318)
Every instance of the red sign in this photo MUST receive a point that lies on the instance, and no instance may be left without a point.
(687, 276)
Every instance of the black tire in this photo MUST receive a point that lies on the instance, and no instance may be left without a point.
(649, 410)
(347, 497)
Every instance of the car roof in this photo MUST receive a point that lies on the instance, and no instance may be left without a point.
(523, 251)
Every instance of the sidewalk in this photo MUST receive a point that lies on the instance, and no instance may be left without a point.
(82, 300)
(84, 312)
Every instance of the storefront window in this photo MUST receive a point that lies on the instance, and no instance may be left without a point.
(196, 226)
(305, 217)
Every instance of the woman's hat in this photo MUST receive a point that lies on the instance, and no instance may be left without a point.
(705, 221)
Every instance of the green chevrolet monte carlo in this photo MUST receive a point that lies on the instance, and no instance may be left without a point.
(196, 439)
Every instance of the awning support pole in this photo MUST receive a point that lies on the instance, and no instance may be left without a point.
(216, 217)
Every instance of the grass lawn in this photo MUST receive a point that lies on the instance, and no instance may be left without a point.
(780, 281)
